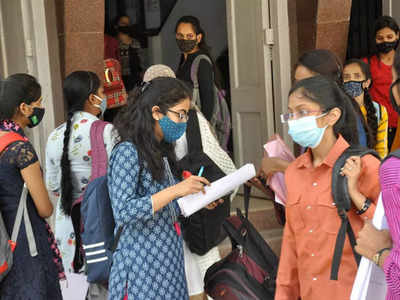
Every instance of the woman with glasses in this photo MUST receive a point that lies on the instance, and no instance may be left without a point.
(148, 262)
(312, 63)
(191, 40)
(199, 147)
(321, 118)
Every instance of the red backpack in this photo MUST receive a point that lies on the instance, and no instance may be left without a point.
(114, 87)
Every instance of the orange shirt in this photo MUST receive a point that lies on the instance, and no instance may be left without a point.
(312, 224)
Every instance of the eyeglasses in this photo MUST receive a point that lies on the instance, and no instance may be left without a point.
(189, 36)
(297, 115)
(183, 116)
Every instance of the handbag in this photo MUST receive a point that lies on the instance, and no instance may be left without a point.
(203, 230)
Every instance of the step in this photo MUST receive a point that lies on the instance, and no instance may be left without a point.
(273, 237)
(261, 212)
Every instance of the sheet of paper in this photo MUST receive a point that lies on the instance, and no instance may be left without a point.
(218, 189)
(75, 287)
(370, 282)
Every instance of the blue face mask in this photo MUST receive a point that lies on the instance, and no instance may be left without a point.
(353, 88)
(172, 131)
(306, 132)
(102, 105)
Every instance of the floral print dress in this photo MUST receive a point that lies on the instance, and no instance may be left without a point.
(80, 158)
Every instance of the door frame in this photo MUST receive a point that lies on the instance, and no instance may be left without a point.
(41, 59)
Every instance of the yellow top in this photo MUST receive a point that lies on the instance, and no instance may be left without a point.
(381, 146)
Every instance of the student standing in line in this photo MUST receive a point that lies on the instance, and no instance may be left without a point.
(321, 118)
(383, 246)
(357, 81)
(312, 63)
(197, 265)
(386, 37)
(69, 166)
(148, 262)
(31, 277)
(191, 40)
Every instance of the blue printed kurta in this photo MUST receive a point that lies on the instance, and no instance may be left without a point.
(149, 257)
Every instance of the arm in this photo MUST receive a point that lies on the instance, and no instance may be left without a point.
(124, 181)
(287, 283)
(363, 181)
(28, 164)
(381, 136)
(206, 88)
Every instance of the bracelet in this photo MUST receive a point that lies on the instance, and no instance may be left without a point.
(377, 257)
(365, 207)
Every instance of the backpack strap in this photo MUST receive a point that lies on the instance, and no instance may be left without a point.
(193, 134)
(377, 107)
(23, 211)
(99, 153)
(7, 138)
(341, 197)
(195, 69)
(246, 195)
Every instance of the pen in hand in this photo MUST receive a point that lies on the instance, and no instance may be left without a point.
(201, 171)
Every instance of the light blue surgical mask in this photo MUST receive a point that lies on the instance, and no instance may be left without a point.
(102, 105)
(172, 131)
(305, 131)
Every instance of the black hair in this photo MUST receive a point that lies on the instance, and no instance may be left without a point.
(326, 63)
(136, 123)
(372, 120)
(323, 62)
(329, 95)
(15, 90)
(78, 86)
(386, 22)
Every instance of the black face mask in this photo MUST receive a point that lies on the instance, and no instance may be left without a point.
(36, 117)
(392, 99)
(186, 45)
(386, 47)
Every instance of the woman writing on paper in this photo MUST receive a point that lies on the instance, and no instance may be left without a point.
(196, 147)
(148, 262)
(321, 118)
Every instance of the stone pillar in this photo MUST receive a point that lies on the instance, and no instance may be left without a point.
(333, 18)
(81, 34)
(323, 24)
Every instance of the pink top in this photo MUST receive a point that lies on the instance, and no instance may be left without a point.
(390, 185)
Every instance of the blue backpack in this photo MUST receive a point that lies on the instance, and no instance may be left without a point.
(97, 219)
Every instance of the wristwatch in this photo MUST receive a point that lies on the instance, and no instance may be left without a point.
(376, 258)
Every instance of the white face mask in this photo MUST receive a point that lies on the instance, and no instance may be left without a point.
(102, 105)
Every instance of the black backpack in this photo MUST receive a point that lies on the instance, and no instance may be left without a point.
(343, 204)
(249, 271)
(203, 230)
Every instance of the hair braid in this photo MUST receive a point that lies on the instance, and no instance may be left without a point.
(66, 180)
(372, 119)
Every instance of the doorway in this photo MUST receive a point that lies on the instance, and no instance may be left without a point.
(254, 34)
